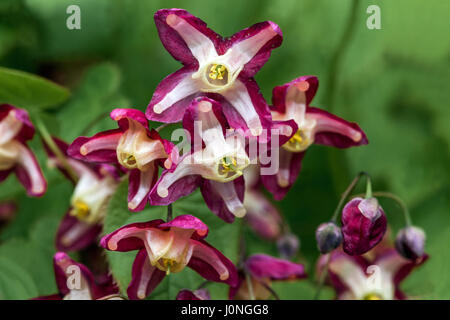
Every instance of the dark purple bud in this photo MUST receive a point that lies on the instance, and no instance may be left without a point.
(288, 245)
(328, 237)
(410, 242)
(363, 225)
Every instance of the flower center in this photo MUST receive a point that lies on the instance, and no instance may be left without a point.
(217, 74)
(299, 142)
(166, 264)
(372, 296)
(128, 161)
(228, 166)
(80, 210)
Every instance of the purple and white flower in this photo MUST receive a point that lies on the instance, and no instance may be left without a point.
(218, 67)
(216, 165)
(364, 278)
(263, 269)
(96, 183)
(15, 156)
(291, 101)
(76, 282)
(168, 247)
(134, 147)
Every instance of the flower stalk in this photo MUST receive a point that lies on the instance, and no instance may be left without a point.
(54, 148)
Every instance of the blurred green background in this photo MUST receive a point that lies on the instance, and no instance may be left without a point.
(394, 82)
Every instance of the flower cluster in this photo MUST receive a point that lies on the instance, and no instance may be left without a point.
(234, 146)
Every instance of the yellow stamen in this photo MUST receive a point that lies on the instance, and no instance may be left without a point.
(228, 164)
(298, 142)
(167, 264)
(80, 210)
(217, 72)
(372, 296)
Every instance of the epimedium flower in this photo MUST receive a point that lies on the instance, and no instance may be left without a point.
(216, 165)
(96, 183)
(76, 282)
(199, 294)
(263, 269)
(221, 68)
(134, 147)
(363, 225)
(168, 247)
(15, 156)
(291, 101)
(370, 277)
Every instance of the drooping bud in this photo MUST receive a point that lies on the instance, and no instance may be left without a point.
(288, 246)
(328, 237)
(363, 225)
(410, 242)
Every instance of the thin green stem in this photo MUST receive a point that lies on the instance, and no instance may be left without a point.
(346, 194)
(249, 285)
(169, 212)
(54, 148)
(339, 53)
(368, 188)
(269, 288)
(322, 278)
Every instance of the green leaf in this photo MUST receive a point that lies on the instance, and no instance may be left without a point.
(29, 91)
(223, 236)
(97, 92)
(15, 282)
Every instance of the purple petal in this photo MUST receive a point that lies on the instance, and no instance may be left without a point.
(74, 235)
(194, 32)
(99, 148)
(262, 216)
(290, 166)
(145, 278)
(196, 112)
(360, 232)
(61, 263)
(178, 189)
(306, 84)
(188, 222)
(123, 114)
(258, 41)
(263, 266)
(129, 237)
(399, 266)
(29, 173)
(174, 93)
(336, 276)
(140, 185)
(27, 129)
(334, 131)
(245, 107)
(200, 294)
(211, 264)
(225, 199)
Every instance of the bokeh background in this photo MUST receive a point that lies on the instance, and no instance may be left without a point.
(394, 82)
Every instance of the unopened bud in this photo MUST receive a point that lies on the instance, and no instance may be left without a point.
(288, 245)
(410, 242)
(328, 237)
